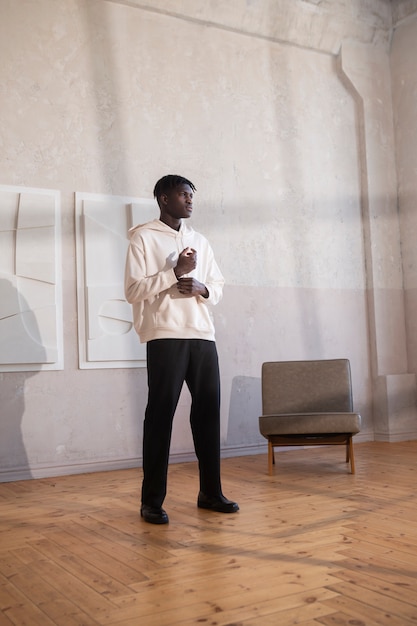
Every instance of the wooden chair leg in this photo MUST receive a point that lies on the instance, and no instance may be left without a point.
(271, 459)
(352, 458)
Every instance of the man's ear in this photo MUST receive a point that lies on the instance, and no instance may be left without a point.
(163, 199)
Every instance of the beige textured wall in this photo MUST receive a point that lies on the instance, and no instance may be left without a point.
(402, 10)
(404, 71)
(103, 97)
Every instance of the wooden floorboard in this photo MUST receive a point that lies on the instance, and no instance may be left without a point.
(311, 545)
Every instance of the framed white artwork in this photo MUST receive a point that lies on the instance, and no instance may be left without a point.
(107, 338)
(31, 331)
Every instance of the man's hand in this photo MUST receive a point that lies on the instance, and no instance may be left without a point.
(192, 287)
(187, 262)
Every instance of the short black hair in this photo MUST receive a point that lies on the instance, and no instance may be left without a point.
(166, 183)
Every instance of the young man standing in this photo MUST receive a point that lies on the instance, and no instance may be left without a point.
(170, 277)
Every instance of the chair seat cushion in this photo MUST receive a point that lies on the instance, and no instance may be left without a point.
(309, 423)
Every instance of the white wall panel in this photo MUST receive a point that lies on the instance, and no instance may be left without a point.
(107, 338)
(30, 280)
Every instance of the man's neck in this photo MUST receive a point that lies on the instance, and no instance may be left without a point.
(169, 221)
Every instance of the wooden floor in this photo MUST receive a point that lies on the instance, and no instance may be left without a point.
(311, 544)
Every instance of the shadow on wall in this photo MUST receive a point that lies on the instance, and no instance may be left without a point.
(20, 343)
(245, 409)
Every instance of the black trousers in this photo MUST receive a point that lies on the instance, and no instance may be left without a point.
(171, 362)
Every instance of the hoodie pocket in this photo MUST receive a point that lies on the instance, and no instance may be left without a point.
(178, 311)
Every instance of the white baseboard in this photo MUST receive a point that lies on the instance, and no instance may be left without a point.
(107, 465)
(394, 437)
(49, 471)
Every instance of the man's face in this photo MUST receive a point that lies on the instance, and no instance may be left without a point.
(178, 202)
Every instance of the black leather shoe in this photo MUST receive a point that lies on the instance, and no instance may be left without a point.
(154, 514)
(216, 503)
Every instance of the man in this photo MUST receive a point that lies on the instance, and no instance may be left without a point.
(171, 276)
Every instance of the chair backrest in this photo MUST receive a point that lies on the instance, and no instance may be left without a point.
(306, 387)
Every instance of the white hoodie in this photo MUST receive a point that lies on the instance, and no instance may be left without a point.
(160, 311)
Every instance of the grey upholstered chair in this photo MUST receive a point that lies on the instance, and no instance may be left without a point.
(308, 403)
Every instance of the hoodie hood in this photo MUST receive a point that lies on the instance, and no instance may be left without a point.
(157, 225)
